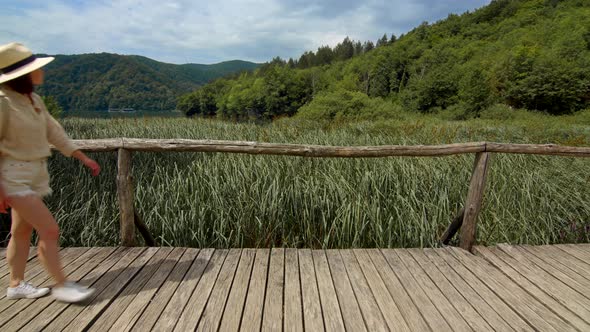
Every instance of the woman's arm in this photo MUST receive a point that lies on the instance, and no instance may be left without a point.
(88, 162)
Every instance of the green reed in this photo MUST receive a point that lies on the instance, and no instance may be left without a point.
(235, 200)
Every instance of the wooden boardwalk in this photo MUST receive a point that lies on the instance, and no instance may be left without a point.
(502, 288)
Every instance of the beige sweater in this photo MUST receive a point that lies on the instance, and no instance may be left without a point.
(25, 133)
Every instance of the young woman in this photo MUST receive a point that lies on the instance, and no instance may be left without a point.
(26, 130)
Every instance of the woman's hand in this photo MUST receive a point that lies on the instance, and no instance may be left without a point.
(93, 165)
(88, 162)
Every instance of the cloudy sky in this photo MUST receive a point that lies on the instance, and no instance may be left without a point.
(189, 31)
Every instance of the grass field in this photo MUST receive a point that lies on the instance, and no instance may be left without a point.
(232, 200)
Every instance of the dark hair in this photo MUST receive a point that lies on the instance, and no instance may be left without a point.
(22, 84)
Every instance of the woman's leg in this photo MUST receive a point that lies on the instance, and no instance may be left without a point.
(32, 210)
(17, 252)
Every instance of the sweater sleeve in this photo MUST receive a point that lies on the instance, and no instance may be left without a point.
(57, 136)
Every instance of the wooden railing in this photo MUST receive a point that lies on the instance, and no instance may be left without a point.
(466, 220)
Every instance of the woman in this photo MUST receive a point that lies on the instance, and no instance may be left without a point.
(26, 130)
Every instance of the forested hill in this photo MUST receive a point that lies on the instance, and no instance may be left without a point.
(531, 54)
(97, 82)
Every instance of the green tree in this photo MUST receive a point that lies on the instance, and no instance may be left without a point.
(358, 48)
(306, 60)
(393, 39)
(368, 46)
(323, 56)
(344, 50)
(587, 38)
(382, 41)
(379, 77)
(337, 104)
(474, 90)
(53, 106)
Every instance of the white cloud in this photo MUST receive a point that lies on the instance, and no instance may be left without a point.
(184, 31)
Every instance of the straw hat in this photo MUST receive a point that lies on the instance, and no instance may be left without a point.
(16, 60)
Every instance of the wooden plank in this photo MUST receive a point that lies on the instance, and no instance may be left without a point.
(162, 306)
(368, 305)
(429, 257)
(351, 312)
(579, 265)
(563, 260)
(33, 269)
(560, 317)
(429, 311)
(569, 277)
(11, 309)
(312, 308)
(191, 314)
(392, 315)
(523, 303)
(562, 300)
(436, 296)
(406, 306)
(252, 317)
(4, 261)
(35, 274)
(474, 200)
(328, 299)
(293, 300)
(32, 261)
(155, 270)
(43, 310)
(552, 285)
(493, 300)
(107, 286)
(272, 318)
(543, 272)
(125, 197)
(463, 307)
(211, 318)
(574, 251)
(232, 316)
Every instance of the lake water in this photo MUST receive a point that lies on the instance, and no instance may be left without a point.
(114, 115)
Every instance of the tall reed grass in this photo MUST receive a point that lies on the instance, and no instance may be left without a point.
(232, 200)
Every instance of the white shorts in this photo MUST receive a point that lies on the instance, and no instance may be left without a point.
(22, 178)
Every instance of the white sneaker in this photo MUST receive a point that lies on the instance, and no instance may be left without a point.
(71, 292)
(25, 290)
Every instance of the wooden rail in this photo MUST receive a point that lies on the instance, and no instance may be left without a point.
(467, 220)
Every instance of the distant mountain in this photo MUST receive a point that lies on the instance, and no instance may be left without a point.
(97, 82)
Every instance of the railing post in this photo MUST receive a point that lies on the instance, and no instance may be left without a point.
(125, 196)
(474, 199)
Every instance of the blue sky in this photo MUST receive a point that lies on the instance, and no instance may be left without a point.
(188, 31)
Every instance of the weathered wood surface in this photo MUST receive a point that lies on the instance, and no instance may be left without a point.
(540, 149)
(160, 145)
(474, 200)
(503, 288)
(249, 147)
(125, 197)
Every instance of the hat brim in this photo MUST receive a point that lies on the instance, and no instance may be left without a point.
(30, 67)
